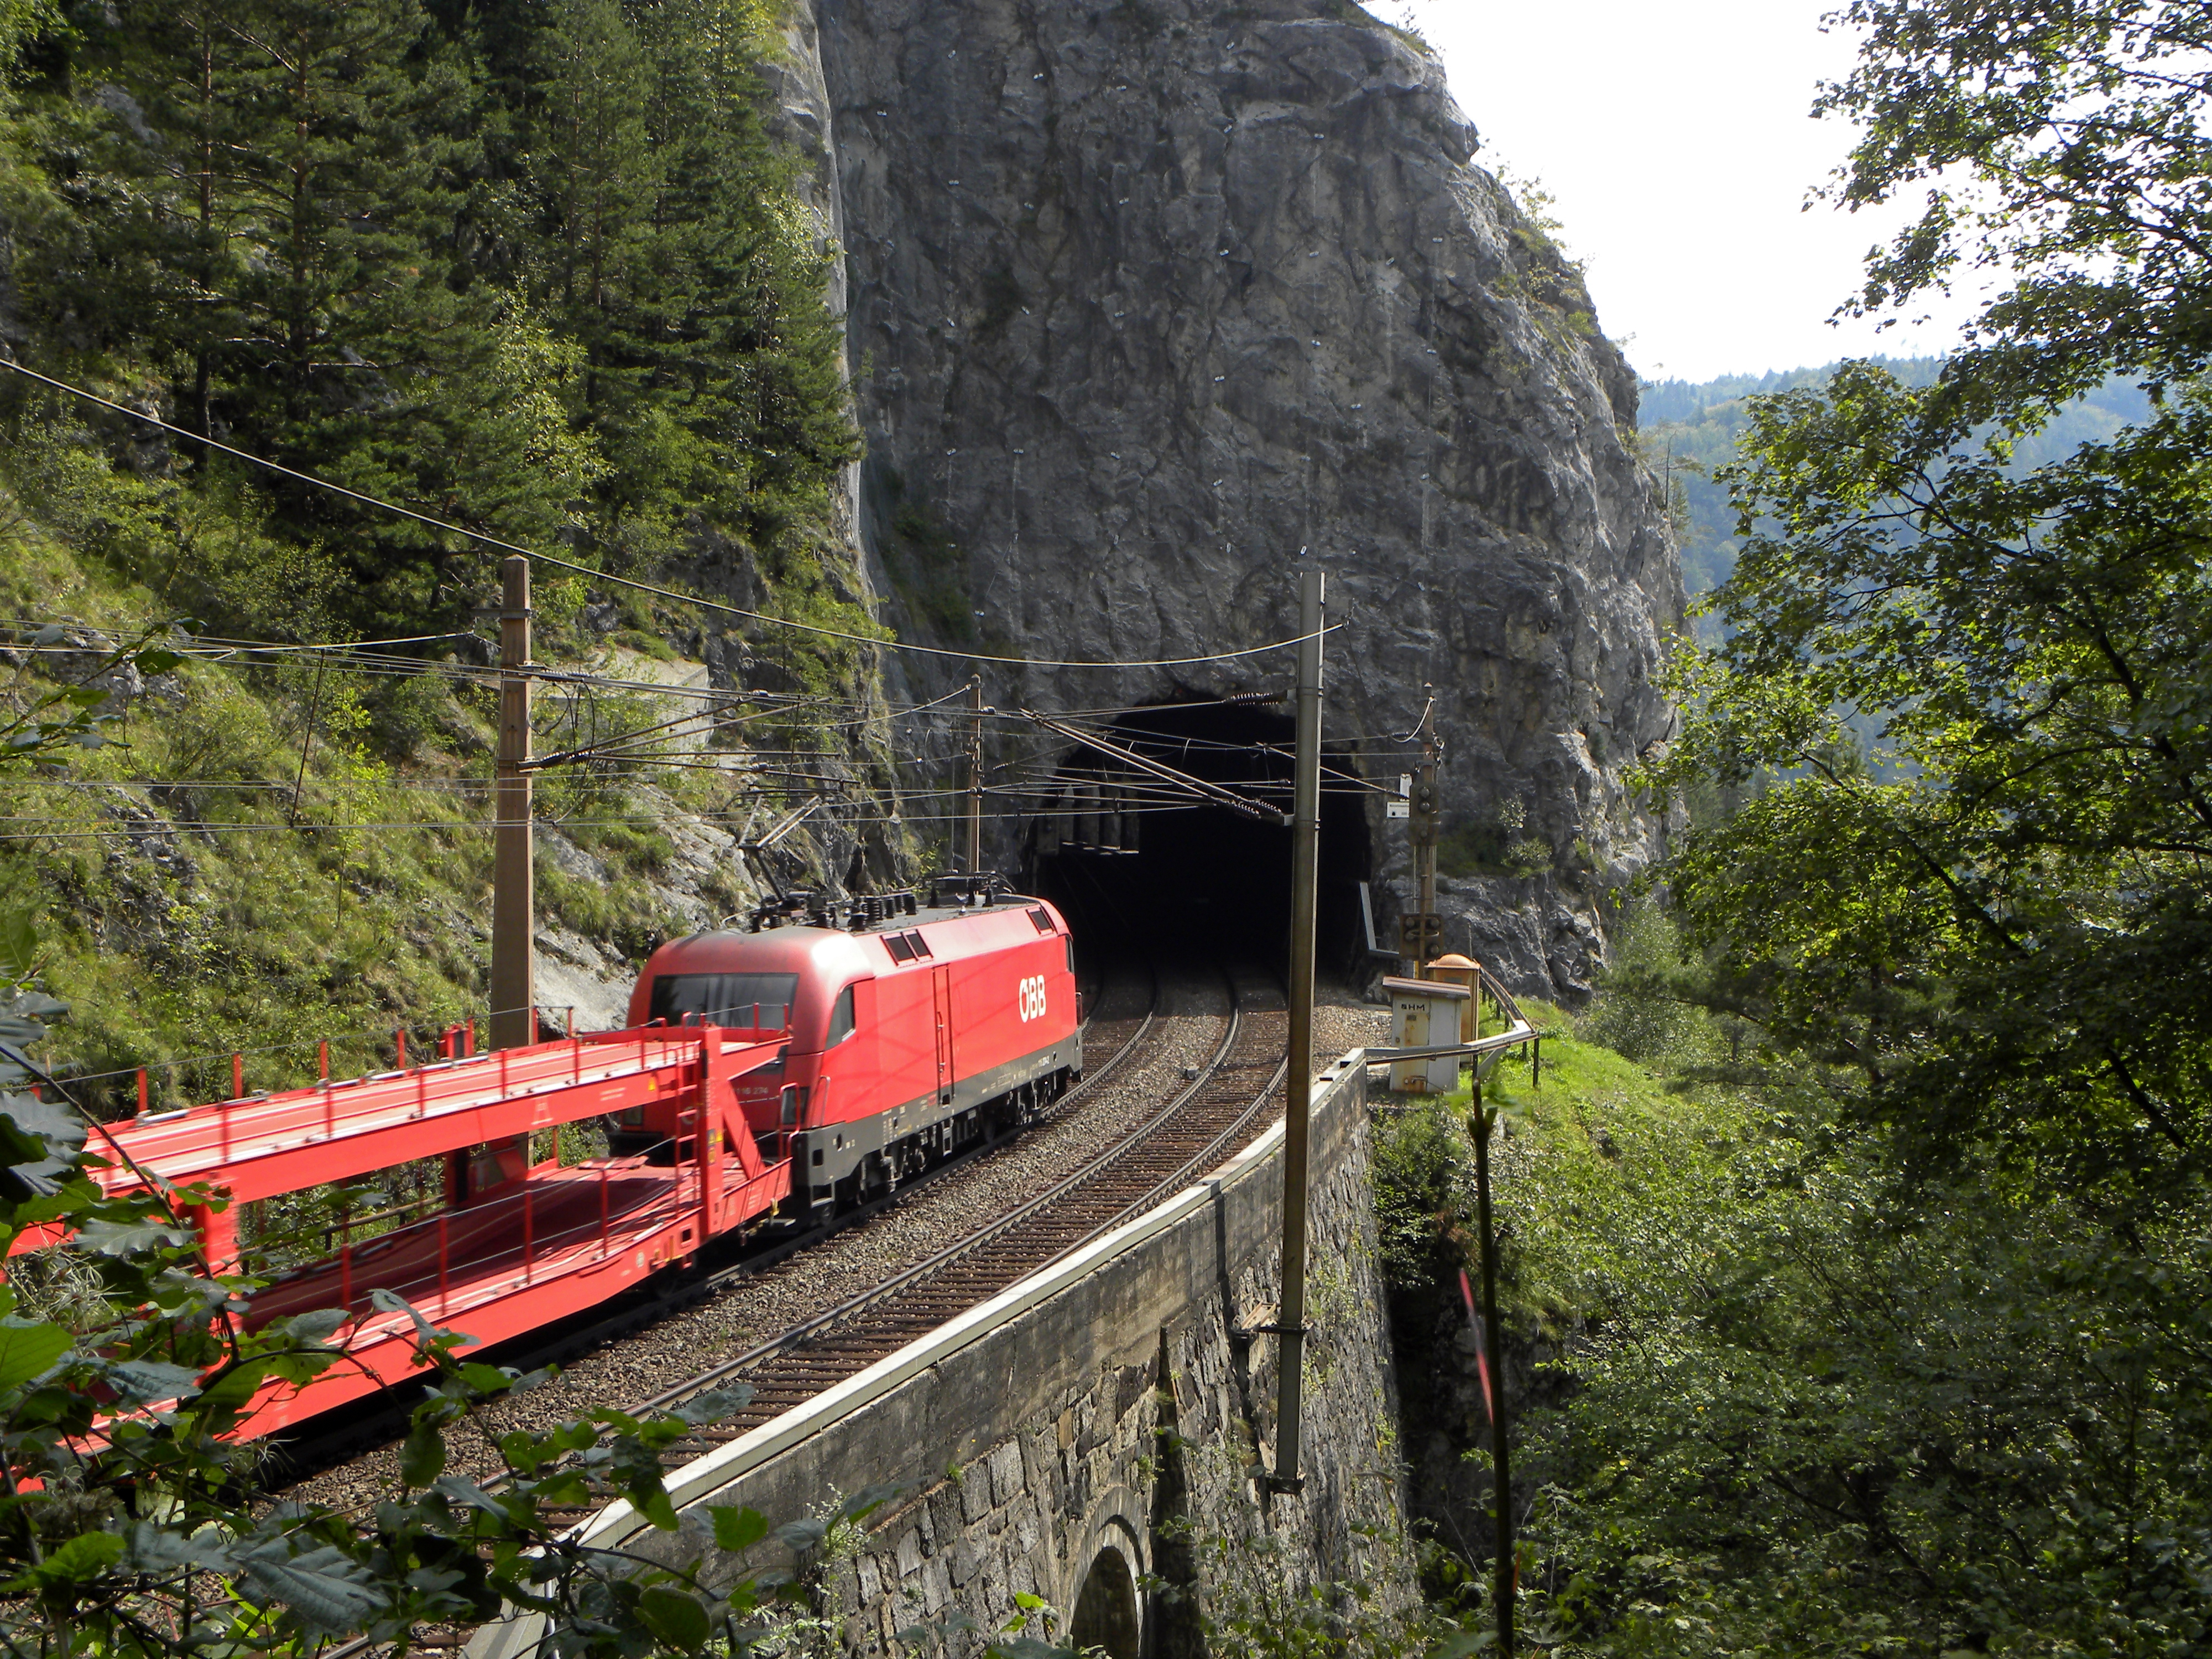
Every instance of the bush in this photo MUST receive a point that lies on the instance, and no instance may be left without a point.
(1643, 1008)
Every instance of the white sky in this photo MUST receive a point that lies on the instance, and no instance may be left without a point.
(1676, 141)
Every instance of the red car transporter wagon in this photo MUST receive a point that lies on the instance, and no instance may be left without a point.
(777, 1073)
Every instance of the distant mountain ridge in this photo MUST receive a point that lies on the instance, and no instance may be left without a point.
(1690, 427)
(1674, 402)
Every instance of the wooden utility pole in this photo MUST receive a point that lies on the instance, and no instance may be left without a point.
(1305, 848)
(513, 902)
(1503, 1584)
(1428, 824)
(976, 775)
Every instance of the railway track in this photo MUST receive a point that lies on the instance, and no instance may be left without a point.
(1204, 1122)
(1222, 1102)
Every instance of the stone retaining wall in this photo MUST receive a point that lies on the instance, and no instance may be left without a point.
(1037, 1452)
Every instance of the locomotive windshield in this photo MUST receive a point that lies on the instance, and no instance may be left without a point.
(757, 1002)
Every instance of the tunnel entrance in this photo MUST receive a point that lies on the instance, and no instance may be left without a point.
(1133, 859)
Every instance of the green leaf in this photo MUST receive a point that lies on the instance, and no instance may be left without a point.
(329, 1589)
(236, 1387)
(318, 1326)
(462, 1490)
(423, 1457)
(50, 1121)
(639, 1472)
(677, 1618)
(28, 1350)
(153, 1549)
(152, 1379)
(737, 1528)
(802, 1536)
(486, 1379)
(86, 1556)
(130, 1239)
(715, 1404)
(868, 1501)
(568, 1489)
(386, 1302)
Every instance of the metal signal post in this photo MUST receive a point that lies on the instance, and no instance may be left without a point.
(976, 775)
(1422, 934)
(1305, 848)
(513, 900)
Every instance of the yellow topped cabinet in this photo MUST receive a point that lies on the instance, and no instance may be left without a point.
(1425, 1014)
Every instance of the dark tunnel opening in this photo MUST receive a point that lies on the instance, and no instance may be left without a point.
(1134, 861)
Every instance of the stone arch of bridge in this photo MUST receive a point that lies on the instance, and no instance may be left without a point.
(1107, 1616)
(1103, 1575)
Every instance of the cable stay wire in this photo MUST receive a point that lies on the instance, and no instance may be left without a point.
(773, 704)
(1127, 795)
(397, 663)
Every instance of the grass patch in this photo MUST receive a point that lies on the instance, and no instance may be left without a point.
(1590, 1161)
(267, 859)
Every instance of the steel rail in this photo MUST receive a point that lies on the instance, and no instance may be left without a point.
(797, 1335)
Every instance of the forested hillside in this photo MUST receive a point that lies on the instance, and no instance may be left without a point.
(1889, 1334)
(1690, 429)
(538, 270)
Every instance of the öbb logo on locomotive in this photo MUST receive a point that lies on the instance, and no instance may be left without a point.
(779, 1073)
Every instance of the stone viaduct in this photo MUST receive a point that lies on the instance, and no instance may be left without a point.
(1096, 1436)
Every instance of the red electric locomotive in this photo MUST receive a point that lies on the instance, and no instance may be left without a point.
(910, 1032)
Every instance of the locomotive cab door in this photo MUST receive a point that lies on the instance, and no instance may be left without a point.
(941, 994)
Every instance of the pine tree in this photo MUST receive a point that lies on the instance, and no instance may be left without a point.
(674, 254)
(534, 265)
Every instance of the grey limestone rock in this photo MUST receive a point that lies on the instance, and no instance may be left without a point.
(1145, 298)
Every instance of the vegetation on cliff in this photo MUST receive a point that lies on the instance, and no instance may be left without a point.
(1775, 1390)
(1689, 431)
(535, 270)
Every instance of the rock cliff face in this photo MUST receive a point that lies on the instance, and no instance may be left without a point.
(1145, 298)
